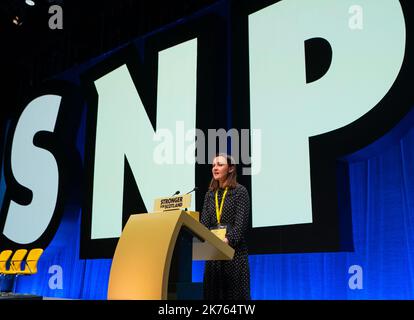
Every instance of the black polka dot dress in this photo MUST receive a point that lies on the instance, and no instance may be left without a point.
(229, 279)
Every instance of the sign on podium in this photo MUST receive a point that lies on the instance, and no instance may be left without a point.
(180, 202)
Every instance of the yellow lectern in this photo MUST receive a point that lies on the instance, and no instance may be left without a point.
(141, 264)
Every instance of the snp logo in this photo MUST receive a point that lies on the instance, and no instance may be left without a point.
(121, 125)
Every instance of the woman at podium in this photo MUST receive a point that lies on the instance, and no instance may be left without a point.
(226, 212)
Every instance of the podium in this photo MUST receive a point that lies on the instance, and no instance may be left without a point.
(141, 264)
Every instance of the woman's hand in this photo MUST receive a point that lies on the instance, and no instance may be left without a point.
(226, 241)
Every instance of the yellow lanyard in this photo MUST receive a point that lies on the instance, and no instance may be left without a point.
(218, 211)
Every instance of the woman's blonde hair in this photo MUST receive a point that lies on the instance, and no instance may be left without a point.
(231, 180)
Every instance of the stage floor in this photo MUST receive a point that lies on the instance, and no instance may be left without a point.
(19, 296)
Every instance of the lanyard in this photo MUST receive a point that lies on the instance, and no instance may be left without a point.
(219, 210)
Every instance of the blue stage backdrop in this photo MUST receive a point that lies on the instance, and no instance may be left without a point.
(382, 197)
(364, 252)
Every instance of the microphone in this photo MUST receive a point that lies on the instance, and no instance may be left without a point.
(177, 192)
(194, 189)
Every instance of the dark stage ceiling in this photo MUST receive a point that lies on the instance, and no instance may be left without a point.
(32, 52)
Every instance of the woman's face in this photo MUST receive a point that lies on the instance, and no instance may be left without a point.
(220, 168)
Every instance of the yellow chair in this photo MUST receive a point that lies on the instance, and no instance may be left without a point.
(16, 261)
(31, 261)
(4, 258)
